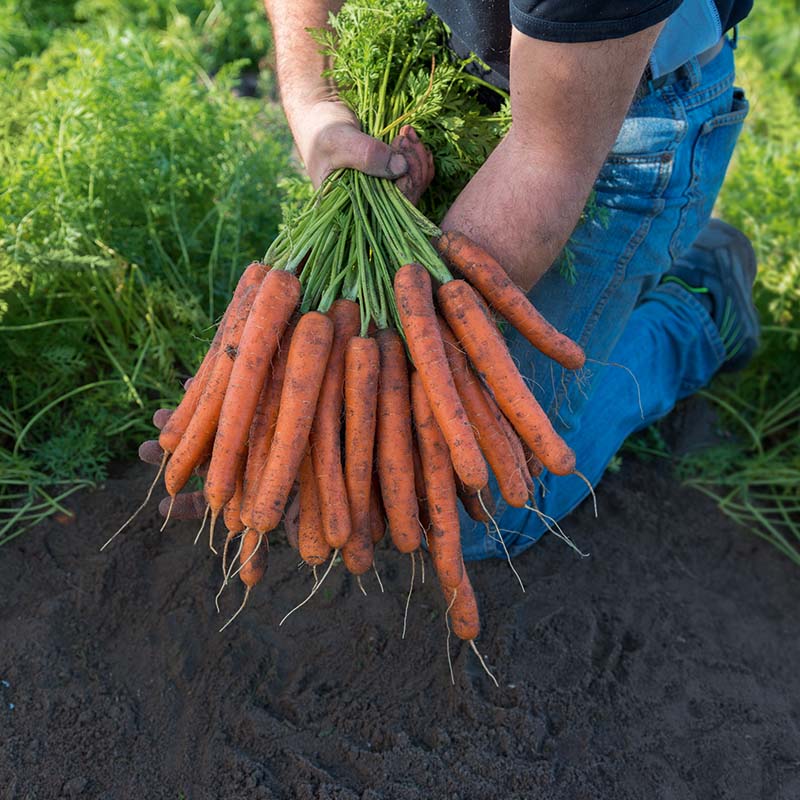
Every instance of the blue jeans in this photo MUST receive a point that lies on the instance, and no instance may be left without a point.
(655, 193)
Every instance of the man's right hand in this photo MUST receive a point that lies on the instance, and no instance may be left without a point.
(329, 137)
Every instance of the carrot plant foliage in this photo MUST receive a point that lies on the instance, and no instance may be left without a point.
(133, 188)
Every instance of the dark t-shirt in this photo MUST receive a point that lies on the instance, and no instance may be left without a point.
(484, 26)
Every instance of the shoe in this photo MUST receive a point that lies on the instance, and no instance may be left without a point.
(720, 269)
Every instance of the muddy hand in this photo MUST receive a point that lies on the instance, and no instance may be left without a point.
(188, 505)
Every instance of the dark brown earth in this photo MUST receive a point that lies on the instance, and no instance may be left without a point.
(664, 667)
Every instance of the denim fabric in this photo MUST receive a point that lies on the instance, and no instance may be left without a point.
(655, 193)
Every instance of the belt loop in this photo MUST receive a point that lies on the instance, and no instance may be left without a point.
(691, 70)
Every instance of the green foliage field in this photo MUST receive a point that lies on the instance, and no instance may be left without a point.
(133, 189)
(755, 475)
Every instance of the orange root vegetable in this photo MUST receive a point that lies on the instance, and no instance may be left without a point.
(395, 444)
(464, 618)
(272, 308)
(412, 287)
(520, 456)
(491, 436)
(262, 429)
(479, 511)
(362, 371)
(489, 354)
(314, 550)
(326, 450)
(444, 534)
(377, 514)
(200, 431)
(305, 368)
(502, 294)
(419, 489)
(176, 425)
(233, 508)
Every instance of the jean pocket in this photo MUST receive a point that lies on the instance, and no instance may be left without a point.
(639, 166)
(712, 153)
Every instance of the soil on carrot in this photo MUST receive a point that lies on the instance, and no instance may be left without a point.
(663, 666)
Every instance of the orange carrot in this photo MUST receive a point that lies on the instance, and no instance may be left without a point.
(200, 431)
(419, 489)
(377, 513)
(520, 457)
(176, 425)
(305, 368)
(394, 444)
(412, 286)
(490, 436)
(313, 548)
(233, 508)
(272, 308)
(362, 370)
(326, 450)
(493, 282)
(479, 511)
(444, 534)
(464, 618)
(254, 562)
(262, 428)
(488, 352)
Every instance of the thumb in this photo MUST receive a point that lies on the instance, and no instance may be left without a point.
(356, 150)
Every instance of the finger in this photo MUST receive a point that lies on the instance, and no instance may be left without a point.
(191, 505)
(150, 452)
(349, 147)
(161, 416)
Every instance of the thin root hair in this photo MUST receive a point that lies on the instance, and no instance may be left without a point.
(146, 500)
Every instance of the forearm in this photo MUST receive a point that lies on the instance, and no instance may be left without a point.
(299, 62)
(568, 103)
(520, 209)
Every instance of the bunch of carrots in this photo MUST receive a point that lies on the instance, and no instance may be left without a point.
(362, 366)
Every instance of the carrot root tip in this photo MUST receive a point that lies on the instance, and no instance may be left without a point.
(169, 514)
(314, 590)
(410, 592)
(483, 663)
(378, 576)
(361, 585)
(238, 610)
(591, 489)
(146, 500)
(447, 624)
(202, 524)
(501, 540)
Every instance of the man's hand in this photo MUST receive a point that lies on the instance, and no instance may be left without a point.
(325, 130)
(329, 137)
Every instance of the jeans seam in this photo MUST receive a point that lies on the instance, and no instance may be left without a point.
(694, 99)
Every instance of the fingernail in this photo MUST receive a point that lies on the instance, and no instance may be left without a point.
(398, 165)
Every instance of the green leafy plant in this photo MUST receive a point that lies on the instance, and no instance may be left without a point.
(756, 476)
(133, 189)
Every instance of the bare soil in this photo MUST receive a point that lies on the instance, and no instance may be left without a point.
(665, 666)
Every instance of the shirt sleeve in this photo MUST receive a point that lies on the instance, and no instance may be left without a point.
(589, 21)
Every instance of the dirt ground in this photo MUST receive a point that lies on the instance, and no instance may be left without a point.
(665, 666)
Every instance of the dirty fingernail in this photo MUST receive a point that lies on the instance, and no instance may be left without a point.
(398, 165)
